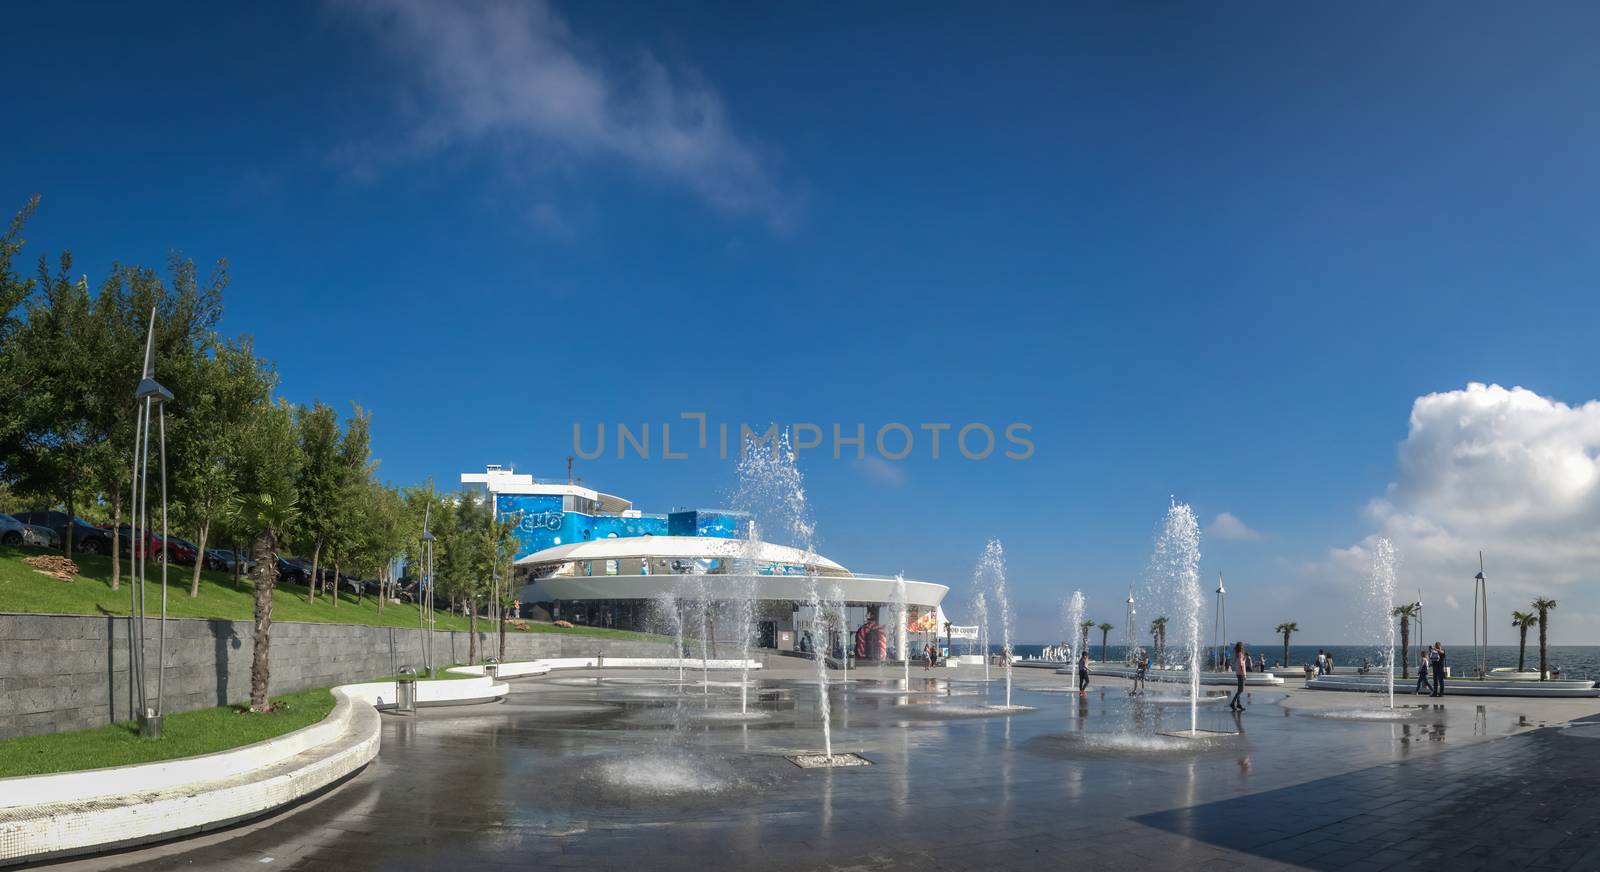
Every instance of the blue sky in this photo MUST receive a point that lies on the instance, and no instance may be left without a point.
(1217, 253)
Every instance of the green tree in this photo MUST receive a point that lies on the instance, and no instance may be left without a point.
(1158, 636)
(269, 467)
(1543, 605)
(1083, 635)
(14, 291)
(1405, 613)
(1105, 633)
(1287, 628)
(232, 387)
(185, 310)
(1522, 621)
(353, 470)
(320, 484)
(50, 440)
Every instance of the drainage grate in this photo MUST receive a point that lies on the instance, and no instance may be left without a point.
(819, 760)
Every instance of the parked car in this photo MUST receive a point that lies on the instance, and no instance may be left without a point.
(13, 532)
(44, 537)
(293, 570)
(178, 550)
(225, 560)
(86, 537)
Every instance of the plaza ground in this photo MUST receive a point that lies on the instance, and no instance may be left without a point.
(626, 770)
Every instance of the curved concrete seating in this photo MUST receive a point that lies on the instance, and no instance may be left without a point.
(50, 816)
(44, 817)
(1564, 688)
(1175, 674)
(461, 691)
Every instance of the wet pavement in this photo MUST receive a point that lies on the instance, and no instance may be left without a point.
(631, 771)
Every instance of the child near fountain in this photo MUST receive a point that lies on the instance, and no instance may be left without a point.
(1083, 672)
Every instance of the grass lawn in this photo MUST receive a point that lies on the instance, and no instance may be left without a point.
(185, 734)
(24, 590)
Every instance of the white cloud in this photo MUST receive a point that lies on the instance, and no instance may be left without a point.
(1228, 526)
(880, 471)
(1509, 472)
(514, 75)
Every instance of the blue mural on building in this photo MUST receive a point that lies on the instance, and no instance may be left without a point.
(543, 523)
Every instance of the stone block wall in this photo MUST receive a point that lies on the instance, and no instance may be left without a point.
(70, 672)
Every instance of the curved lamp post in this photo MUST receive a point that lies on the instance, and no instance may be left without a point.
(151, 400)
(1219, 624)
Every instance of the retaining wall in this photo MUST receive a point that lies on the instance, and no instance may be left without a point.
(70, 672)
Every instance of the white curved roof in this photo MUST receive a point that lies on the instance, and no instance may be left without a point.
(679, 548)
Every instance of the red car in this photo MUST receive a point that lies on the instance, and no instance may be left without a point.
(178, 550)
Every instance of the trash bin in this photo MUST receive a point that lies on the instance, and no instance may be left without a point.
(405, 698)
(491, 667)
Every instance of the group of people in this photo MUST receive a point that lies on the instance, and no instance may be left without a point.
(1324, 663)
(1430, 660)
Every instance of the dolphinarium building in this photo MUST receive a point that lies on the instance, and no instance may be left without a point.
(592, 558)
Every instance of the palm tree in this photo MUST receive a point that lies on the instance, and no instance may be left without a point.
(1543, 605)
(1287, 628)
(1086, 626)
(1158, 634)
(1522, 621)
(1105, 631)
(1405, 613)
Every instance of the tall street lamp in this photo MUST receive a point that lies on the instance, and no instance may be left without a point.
(152, 411)
(425, 592)
(1480, 618)
(1132, 634)
(1219, 624)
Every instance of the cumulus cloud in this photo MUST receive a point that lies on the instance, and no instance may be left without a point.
(515, 75)
(1507, 471)
(1227, 525)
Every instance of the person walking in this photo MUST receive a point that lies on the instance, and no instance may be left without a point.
(1422, 672)
(1239, 661)
(1436, 660)
(1322, 663)
(1141, 663)
(1083, 673)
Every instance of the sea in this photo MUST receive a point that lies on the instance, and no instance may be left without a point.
(1574, 661)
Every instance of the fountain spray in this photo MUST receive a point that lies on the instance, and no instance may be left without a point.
(1176, 564)
(1073, 615)
(980, 606)
(902, 615)
(1380, 602)
(993, 567)
(819, 626)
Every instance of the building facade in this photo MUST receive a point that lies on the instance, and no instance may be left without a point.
(592, 558)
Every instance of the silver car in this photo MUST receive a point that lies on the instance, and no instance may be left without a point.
(14, 533)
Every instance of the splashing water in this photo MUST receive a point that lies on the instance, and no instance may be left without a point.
(992, 568)
(1072, 614)
(836, 594)
(669, 619)
(819, 627)
(772, 491)
(1380, 602)
(980, 607)
(703, 599)
(903, 616)
(1176, 566)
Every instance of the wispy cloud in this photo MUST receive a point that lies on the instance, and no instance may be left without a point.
(515, 74)
(1227, 525)
(880, 471)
